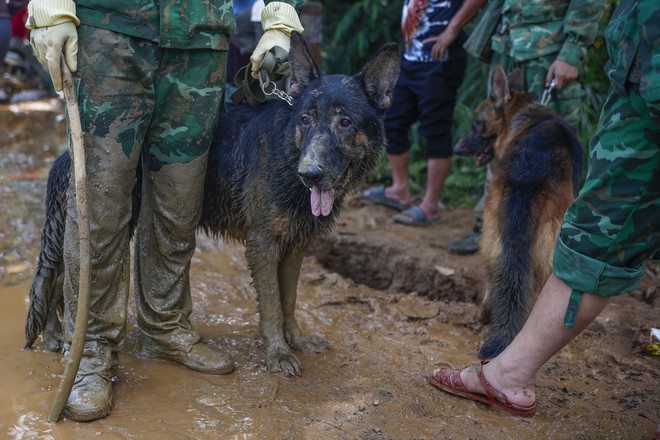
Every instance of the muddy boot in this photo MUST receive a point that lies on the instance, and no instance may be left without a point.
(165, 243)
(201, 356)
(467, 245)
(91, 395)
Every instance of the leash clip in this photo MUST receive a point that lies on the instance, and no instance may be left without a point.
(264, 80)
(547, 93)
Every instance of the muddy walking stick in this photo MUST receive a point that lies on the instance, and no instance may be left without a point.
(80, 173)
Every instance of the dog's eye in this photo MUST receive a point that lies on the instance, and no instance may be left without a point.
(306, 120)
(345, 122)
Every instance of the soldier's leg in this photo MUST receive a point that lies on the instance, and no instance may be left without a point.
(603, 250)
(110, 89)
(189, 89)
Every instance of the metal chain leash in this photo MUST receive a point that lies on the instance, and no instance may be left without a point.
(264, 80)
(547, 93)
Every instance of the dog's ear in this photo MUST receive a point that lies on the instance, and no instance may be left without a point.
(301, 65)
(379, 75)
(516, 80)
(499, 87)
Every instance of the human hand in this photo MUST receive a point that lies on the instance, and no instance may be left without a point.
(562, 72)
(278, 20)
(441, 44)
(268, 40)
(49, 43)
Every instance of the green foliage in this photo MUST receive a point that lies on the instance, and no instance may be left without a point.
(353, 31)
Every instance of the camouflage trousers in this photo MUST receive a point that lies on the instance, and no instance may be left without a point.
(566, 102)
(613, 224)
(139, 102)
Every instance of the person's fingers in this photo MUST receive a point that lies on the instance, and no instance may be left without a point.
(53, 55)
(256, 60)
(71, 53)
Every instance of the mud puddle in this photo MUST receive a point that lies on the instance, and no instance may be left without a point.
(358, 289)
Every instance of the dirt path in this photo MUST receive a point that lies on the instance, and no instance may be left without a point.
(391, 300)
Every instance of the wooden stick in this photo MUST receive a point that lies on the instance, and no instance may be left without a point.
(85, 280)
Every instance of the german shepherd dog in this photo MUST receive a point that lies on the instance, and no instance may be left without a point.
(536, 175)
(277, 176)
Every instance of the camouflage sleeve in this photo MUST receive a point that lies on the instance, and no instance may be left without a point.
(580, 29)
(648, 16)
(298, 4)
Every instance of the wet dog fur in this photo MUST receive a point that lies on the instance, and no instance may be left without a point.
(277, 177)
(536, 174)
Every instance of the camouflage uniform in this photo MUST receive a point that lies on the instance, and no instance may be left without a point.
(532, 34)
(612, 226)
(150, 84)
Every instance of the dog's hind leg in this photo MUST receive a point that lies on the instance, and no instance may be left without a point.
(287, 276)
(263, 259)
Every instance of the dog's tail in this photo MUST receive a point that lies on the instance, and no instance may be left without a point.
(46, 291)
(511, 281)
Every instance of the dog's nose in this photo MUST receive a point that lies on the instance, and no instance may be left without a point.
(311, 174)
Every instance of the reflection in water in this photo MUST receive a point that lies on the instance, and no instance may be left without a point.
(26, 428)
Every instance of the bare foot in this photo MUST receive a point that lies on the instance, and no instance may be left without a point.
(400, 196)
(424, 214)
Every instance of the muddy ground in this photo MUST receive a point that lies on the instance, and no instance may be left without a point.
(390, 298)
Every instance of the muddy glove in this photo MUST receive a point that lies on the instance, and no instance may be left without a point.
(278, 19)
(52, 25)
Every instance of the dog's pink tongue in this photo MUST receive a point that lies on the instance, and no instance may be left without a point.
(322, 201)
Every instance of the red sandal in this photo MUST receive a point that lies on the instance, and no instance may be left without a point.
(450, 381)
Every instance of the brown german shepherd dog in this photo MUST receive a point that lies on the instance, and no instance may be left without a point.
(277, 177)
(536, 175)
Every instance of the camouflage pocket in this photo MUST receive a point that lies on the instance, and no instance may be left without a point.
(120, 7)
(545, 13)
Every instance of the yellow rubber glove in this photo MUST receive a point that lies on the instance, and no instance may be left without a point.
(52, 25)
(278, 19)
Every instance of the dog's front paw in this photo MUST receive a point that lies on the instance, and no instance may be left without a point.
(283, 361)
(309, 344)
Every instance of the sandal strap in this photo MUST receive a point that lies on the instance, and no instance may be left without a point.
(491, 392)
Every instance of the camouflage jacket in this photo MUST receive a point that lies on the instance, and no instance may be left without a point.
(170, 23)
(633, 46)
(532, 28)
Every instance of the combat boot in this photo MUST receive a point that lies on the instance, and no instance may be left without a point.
(200, 356)
(91, 394)
(467, 245)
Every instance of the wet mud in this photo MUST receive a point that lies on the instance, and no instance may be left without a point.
(391, 300)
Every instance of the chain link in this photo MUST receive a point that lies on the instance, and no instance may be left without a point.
(265, 81)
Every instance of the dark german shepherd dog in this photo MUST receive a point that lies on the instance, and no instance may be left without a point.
(277, 176)
(535, 177)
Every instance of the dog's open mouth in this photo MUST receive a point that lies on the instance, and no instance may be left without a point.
(486, 154)
(322, 200)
